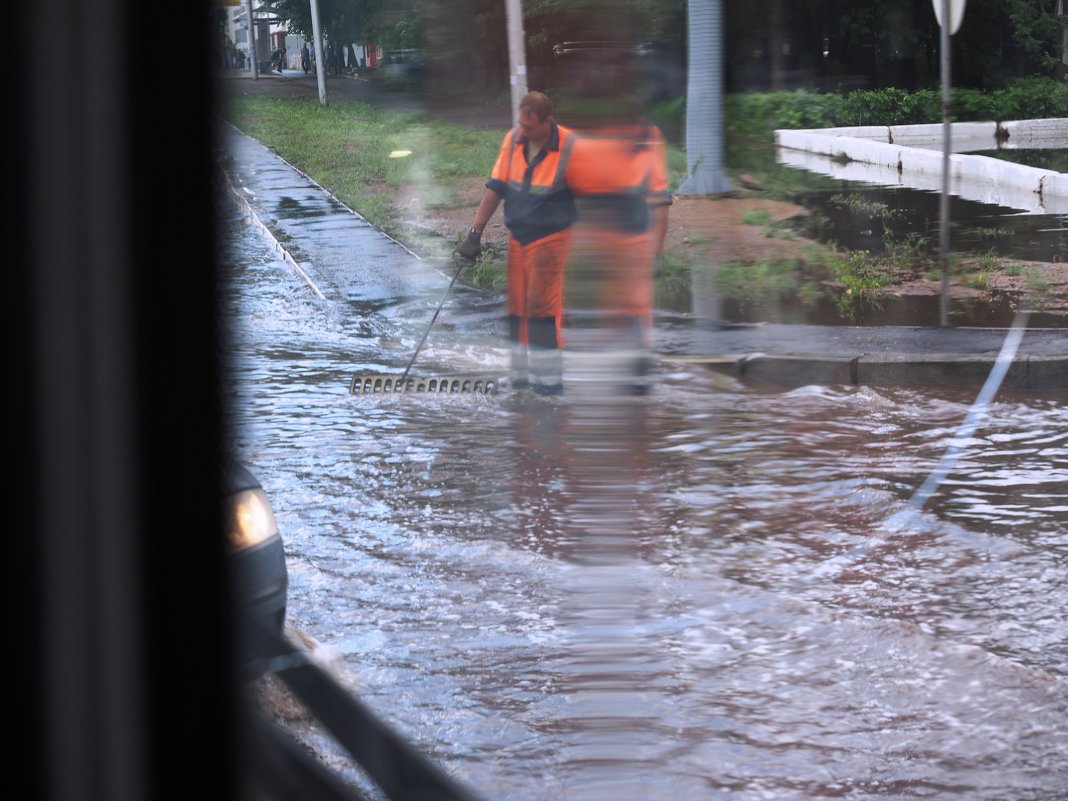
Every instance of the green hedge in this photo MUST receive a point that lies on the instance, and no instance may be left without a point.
(751, 115)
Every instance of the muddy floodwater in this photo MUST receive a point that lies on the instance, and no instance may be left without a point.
(710, 592)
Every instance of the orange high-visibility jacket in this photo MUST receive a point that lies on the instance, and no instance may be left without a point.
(537, 200)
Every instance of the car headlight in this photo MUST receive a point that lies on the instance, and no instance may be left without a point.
(251, 520)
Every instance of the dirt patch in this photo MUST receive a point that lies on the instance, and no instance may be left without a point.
(736, 228)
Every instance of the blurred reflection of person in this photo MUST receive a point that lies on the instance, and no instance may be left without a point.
(617, 171)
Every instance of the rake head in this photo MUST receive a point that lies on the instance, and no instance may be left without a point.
(445, 384)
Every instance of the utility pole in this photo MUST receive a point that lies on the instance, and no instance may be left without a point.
(317, 43)
(943, 201)
(950, 14)
(517, 55)
(252, 42)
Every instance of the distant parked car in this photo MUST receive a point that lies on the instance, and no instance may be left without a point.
(637, 49)
(258, 562)
(402, 64)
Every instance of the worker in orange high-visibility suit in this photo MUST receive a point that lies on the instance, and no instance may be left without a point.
(538, 213)
(617, 170)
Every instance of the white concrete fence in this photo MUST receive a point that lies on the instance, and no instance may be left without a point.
(911, 156)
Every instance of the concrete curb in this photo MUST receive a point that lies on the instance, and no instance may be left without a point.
(1037, 373)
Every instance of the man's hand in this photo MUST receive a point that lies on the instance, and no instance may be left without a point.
(471, 247)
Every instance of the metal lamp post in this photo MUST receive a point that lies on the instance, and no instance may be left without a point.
(949, 13)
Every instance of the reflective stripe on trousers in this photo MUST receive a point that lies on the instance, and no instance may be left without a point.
(539, 363)
(535, 309)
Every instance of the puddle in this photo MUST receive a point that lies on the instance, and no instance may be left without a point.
(878, 219)
(896, 218)
(861, 217)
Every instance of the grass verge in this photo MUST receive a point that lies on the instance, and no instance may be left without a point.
(362, 153)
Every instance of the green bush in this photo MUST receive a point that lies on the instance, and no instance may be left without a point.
(1031, 98)
(891, 107)
(759, 115)
(770, 110)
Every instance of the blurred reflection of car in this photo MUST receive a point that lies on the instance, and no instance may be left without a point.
(404, 63)
(658, 74)
(257, 556)
(637, 49)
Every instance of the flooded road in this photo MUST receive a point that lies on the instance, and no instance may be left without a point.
(704, 593)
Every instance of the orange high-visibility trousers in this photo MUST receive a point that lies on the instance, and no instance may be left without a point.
(536, 290)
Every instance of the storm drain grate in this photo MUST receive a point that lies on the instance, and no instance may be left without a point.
(375, 384)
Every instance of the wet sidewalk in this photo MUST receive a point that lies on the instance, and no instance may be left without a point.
(341, 255)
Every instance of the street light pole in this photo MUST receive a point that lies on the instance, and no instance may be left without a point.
(950, 14)
(517, 56)
(252, 42)
(943, 203)
(317, 43)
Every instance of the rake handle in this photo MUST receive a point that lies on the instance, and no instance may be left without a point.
(437, 311)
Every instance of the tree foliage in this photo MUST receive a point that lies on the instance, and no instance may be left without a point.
(388, 23)
(819, 44)
(881, 43)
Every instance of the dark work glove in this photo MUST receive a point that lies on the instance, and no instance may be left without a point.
(471, 247)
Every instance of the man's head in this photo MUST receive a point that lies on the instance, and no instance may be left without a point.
(535, 116)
